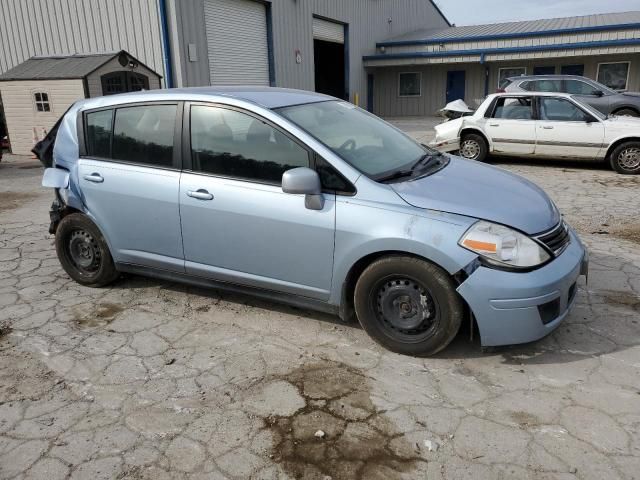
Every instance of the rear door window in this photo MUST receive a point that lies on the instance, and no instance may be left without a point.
(513, 108)
(144, 134)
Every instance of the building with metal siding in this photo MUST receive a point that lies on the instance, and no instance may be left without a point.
(291, 39)
(63, 27)
(602, 47)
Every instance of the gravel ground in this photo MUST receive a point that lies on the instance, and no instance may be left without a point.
(150, 379)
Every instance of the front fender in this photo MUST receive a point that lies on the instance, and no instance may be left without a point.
(363, 230)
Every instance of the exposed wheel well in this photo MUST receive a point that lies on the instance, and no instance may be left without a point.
(617, 143)
(466, 131)
(625, 108)
(347, 310)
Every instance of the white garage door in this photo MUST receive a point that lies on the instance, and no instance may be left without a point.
(328, 31)
(237, 38)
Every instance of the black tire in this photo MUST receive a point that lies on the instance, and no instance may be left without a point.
(473, 147)
(83, 251)
(408, 305)
(627, 112)
(625, 158)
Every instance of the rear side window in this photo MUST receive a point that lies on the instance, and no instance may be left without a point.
(99, 129)
(517, 108)
(145, 134)
(543, 86)
(234, 144)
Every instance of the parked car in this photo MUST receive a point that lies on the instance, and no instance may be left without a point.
(588, 91)
(307, 199)
(546, 125)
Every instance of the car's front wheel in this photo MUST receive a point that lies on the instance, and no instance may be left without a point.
(408, 305)
(626, 112)
(473, 147)
(83, 251)
(625, 158)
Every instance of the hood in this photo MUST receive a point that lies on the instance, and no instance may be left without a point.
(632, 122)
(484, 192)
(631, 94)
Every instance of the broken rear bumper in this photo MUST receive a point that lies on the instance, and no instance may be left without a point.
(446, 146)
(518, 307)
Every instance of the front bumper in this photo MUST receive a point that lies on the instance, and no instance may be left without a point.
(518, 307)
(446, 146)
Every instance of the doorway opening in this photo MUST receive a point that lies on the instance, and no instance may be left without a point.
(329, 64)
(455, 85)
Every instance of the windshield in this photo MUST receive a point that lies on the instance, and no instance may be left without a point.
(363, 140)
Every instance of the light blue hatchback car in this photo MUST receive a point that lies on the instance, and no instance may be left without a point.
(306, 199)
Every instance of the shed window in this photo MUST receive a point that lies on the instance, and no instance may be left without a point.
(42, 102)
(410, 84)
(614, 75)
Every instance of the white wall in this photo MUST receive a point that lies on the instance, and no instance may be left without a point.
(25, 124)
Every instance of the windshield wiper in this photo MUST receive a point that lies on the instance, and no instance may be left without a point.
(395, 175)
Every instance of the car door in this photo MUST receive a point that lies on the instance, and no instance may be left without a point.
(564, 130)
(511, 126)
(237, 224)
(589, 94)
(129, 179)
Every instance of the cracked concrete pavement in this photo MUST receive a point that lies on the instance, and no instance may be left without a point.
(150, 379)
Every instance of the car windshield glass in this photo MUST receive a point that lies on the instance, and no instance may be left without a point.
(363, 140)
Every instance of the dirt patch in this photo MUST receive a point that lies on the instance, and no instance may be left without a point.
(624, 299)
(524, 419)
(628, 232)
(13, 200)
(203, 308)
(5, 329)
(619, 181)
(339, 434)
(102, 314)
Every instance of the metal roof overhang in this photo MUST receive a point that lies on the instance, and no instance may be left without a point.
(497, 54)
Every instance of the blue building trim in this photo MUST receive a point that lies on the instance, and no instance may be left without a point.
(271, 58)
(166, 46)
(488, 51)
(500, 36)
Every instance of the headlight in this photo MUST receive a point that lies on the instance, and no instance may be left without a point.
(503, 246)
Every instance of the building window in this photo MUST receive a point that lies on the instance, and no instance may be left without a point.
(409, 84)
(42, 102)
(572, 70)
(504, 73)
(614, 75)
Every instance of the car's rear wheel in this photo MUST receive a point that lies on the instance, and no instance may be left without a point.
(408, 305)
(473, 147)
(83, 251)
(627, 112)
(625, 158)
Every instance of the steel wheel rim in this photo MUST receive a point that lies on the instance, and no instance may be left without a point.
(405, 308)
(629, 158)
(84, 252)
(470, 149)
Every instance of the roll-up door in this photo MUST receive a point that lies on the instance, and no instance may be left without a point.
(328, 31)
(237, 42)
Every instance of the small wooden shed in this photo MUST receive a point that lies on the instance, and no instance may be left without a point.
(38, 91)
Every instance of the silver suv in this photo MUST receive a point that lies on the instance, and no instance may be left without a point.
(586, 90)
(307, 199)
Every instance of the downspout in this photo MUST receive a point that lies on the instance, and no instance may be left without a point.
(486, 74)
(166, 46)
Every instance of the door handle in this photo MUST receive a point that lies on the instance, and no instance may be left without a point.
(200, 194)
(94, 177)
(494, 124)
(547, 127)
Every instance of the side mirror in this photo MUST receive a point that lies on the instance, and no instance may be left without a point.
(304, 181)
(598, 93)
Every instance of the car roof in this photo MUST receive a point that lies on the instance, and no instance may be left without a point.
(267, 97)
(529, 94)
(547, 77)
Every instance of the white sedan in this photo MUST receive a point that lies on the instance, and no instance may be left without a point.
(551, 125)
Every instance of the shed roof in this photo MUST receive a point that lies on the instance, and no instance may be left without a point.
(60, 67)
(605, 21)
